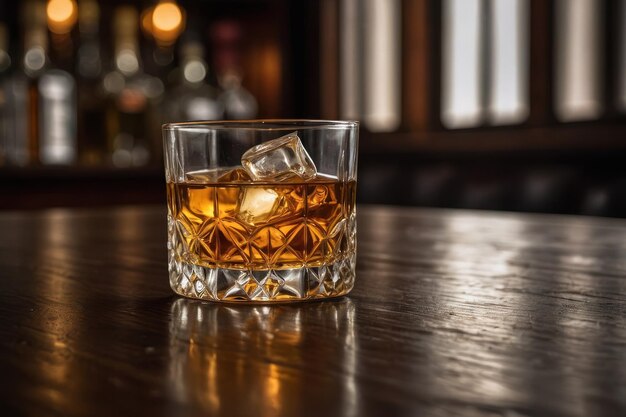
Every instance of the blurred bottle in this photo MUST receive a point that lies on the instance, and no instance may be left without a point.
(238, 103)
(162, 24)
(92, 145)
(51, 95)
(5, 119)
(159, 61)
(193, 98)
(13, 143)
(132, 97)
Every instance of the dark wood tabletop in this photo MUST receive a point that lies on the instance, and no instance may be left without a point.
(453, 313)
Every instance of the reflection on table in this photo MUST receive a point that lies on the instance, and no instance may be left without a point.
(221, 355)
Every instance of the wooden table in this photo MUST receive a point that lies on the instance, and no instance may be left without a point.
(454, 313)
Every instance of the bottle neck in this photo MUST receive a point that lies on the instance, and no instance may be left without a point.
(89, 64)
(35, 51)
(62, 52)
(194, 71)
(127, 60)
(88, 19)
(5, 59)
(194, 67)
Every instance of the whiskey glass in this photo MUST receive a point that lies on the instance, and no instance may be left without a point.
(261, 211)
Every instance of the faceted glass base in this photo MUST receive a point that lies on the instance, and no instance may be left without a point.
(234, 285)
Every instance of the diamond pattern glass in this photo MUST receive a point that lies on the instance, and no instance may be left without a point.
(233, 239)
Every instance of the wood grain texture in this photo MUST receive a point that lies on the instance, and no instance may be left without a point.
(453, 313)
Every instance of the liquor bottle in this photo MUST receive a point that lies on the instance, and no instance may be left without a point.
(92, 140)
(13, 108)
(193, 98)
(51, 96)
(132, 97)
(159, 60)
(238, 102)
(5, 64)
(162, 25)
(7, 135)
(34, 63)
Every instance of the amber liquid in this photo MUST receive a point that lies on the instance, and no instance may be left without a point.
(260, 226)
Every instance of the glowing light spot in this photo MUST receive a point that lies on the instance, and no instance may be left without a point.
(62, 15)
(167, 17)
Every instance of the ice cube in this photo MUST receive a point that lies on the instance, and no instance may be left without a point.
(256, 205)
(236, 174)
(203, 176)
(278, 160)
(230, 174)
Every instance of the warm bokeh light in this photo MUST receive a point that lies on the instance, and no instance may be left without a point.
(167, 17)
(146, 21)
(168, 21)
(62, 15)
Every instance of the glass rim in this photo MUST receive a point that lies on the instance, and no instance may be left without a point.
(262, 124)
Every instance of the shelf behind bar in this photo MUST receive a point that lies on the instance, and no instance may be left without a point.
(45, 187)
(571, 137)
(85, 172)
